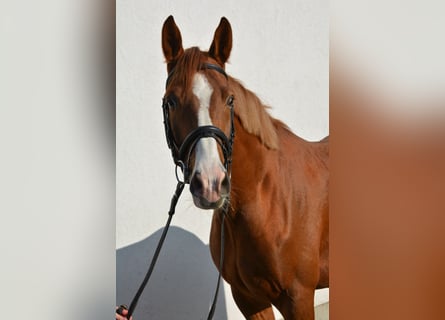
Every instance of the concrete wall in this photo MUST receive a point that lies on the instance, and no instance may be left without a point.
(280, 51)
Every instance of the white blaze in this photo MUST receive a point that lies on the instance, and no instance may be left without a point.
(207, 158)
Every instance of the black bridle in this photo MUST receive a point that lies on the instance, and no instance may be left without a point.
(181, 156)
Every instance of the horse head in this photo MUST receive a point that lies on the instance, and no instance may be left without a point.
(198, 113)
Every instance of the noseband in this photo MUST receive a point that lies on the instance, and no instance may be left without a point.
(181, 155)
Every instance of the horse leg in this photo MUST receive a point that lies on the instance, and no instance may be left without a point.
(297, 305)
(252, 308)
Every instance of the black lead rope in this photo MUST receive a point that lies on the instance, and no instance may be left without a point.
(174, 201)
(221, 264)
(183, 152)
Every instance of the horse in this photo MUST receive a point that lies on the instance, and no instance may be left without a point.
(274, 190)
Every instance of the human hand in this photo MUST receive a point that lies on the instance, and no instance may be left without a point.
(123, 313)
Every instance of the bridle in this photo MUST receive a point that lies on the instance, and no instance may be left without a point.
(181, 154)
(181, 157)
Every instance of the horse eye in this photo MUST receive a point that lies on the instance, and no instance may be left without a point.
(230, 100)
(170, 102)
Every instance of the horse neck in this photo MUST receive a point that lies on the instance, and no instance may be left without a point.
(250, 163)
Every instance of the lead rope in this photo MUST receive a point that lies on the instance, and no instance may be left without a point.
(221, 263)
(174, 201)
(175, 198)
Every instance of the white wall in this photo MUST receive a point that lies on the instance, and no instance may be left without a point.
(280, 51)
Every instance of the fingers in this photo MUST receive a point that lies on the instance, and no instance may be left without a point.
(123, 317)
(119, 317)
(123, 314)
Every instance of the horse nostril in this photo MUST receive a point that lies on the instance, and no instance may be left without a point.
(196, 185)
(225, 185)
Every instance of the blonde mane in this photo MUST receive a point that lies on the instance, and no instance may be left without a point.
(254, 116)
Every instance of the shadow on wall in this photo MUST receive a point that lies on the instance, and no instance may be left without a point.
(183, 281)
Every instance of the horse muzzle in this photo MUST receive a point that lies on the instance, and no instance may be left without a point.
(211, 189)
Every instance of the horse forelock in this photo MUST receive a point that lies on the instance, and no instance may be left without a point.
(187, 65)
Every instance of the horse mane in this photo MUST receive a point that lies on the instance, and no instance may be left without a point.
(252, 113)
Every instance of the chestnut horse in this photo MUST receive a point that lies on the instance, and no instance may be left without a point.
(276, 238)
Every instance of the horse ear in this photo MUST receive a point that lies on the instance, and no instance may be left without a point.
(222, 42)
(171, 40)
